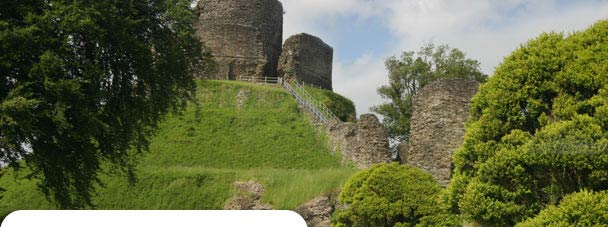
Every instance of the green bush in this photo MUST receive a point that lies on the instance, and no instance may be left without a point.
(341, 106)
(537, 130)
(579, 209)
(388, 195)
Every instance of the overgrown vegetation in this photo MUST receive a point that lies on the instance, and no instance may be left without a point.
(537, 130)
(240, 131)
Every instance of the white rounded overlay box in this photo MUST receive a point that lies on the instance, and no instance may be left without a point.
(155, 218)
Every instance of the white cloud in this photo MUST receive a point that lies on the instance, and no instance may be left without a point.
(487, 30)
(358, 80)
(307, 15)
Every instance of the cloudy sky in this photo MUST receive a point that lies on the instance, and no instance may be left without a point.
(365, 32)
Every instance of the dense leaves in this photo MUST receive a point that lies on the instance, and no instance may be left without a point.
(538, 130)
(391, 195)
(579, 209)
(410, 73)
(85, 81)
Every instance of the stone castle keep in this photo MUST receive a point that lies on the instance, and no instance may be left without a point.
(245, 37)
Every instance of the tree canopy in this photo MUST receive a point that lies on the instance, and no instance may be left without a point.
(537, 130)
(86, 81)
(412, 71)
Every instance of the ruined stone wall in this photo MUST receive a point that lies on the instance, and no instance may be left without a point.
(245, 36)
(318, 211)
(363, 143)
(438, 125)
(308, 59)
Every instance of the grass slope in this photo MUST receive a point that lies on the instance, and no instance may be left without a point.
(241, 131)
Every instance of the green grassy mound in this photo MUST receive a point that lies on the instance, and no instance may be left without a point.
(240, 131)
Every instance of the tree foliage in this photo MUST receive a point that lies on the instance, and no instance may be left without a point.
(390, 195)
(538, 130)
(579, 209)
(86, 81)
(410, 73)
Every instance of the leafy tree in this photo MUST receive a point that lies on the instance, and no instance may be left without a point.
(579, 209)
(410, 73)
(85, 81)
(537, 130)
(391, 195)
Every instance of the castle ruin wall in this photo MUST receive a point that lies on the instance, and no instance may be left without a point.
(244, 37)
(437, 127)
(307, 59)
(363, 143)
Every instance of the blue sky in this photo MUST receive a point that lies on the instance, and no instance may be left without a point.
(355, 36)
(364, 33)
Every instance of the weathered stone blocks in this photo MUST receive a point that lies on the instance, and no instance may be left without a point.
(317, 212)
(247, 196)
(307, 59)
(363, 143)
(441, 110)
(245, 36)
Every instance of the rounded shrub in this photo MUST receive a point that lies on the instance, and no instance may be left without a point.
(388, 195)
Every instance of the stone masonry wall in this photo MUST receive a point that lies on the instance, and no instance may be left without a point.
(317, 212)
(308, 59)
(438, 125)
(245, 36)
(363, 143)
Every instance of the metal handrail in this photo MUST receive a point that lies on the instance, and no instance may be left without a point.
(307, 101)
(323, 108)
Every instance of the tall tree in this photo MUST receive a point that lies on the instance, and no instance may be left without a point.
(410, 73)
(538, 130)
(86, 81)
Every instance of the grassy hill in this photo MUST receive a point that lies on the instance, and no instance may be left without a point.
(240, 131)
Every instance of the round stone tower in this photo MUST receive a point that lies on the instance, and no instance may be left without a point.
(245, 36)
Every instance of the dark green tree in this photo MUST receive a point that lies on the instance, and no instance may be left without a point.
(410, 73)
(86, 81)
(537, 130)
